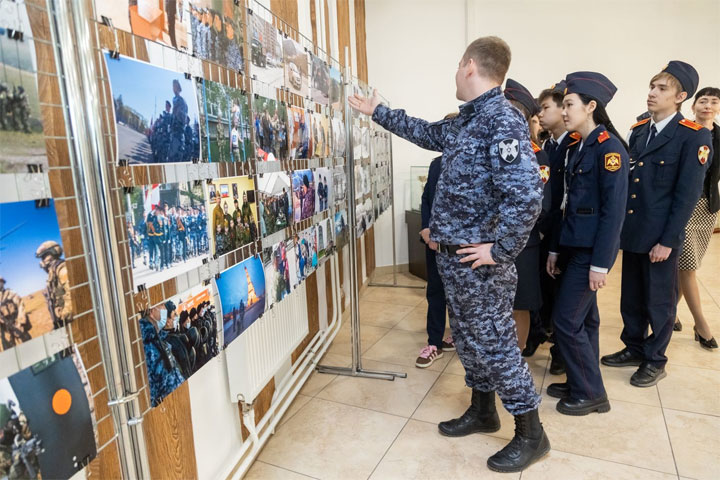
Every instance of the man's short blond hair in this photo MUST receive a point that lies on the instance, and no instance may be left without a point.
(672, 81)
(492, 56)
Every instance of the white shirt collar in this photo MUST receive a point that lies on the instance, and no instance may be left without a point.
(661, 124)
(561, 137)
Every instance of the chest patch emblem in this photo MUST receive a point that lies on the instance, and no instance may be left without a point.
(544, 173)
(509, 149)
(612, 162)
(703, 154)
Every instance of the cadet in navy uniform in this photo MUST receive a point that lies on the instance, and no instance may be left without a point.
(593, 213)
(528, 297)
(488, 198)
(669, 158)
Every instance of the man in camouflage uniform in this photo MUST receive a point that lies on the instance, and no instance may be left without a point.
(12, 310)
(4, 100)
(57, 293)
(21, 110)
(488, 198)
(162, 367)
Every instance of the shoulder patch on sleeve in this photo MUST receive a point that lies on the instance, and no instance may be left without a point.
(604, 135)
(535, 147)
(612, 162)
(544, 173)
(703, 154)
(690, 124)
(509, 149)
(641, 122)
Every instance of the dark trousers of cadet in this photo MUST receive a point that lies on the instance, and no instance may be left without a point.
(577, 321)
(480, 305)
(648, 298)
(435, 295)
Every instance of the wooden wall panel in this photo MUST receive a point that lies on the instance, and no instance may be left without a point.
(169, 437)
(313, 21)
(370, 251)
(311, 292)
(287, 10)
(360, 37)
(327, 27)
(343, 21)
(328, 291)
(359, 249)
(341, 272)
(106, 465)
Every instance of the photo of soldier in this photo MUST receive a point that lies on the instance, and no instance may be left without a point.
(323, 188)
(299, 128)
(216, 31)
(21, 129)
(364, 215)
(325, 239)
(275, 211)
(303, 185)
(297, 69)
(156, 113)
(46, 419)
(266, 56)
(34, 285)
(280, 275)
(339, 184)
(225, 123)
(321, 135)
(233, 219)
(336, 89)
(382, 203)
(167, 226)
(320, 82)
(341, 228)
(242, 296)
(338, 135)
(306, 253)
(271, 140)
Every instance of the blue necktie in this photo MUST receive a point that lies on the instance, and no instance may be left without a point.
(653, 132)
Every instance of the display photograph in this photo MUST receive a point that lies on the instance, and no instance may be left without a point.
(338, 136)
(297, 71)
(232, 214)
(225, 122)
(321, 135)
(34, 284)
(303, 183)
(305, 252)
(47, 417)
(242, 295)
(217, 32)
(325, 237)
(365, 142)
(356, 140)
(156, 113)
(299, 127)
(339, 184)
(336, 89)
(341, 228)
(323, 188)
(359, 180)
(167, 230)
(266, 53)
(270, 118)
(280, 275)
(164, 22)
(274, 206)
(21, 130)
(320, 81)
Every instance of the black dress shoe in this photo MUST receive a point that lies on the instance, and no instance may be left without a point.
(579, 407)
(559, 390)
(709, 344)
(647, 375)
(481, 417)
(623, 358)
(557, 366)
(530, 348)
(677, 326)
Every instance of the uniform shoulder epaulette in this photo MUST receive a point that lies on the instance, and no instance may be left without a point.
(604, 135)
(641, 122)
(576, 138)
(535, 147)
(690, 124)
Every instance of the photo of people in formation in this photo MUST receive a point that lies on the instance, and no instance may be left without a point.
(323, 188)
(34, 284)
(46, 419)
(179, 336)
(325, 238)
(233, 214)
(167, 230)
(21, 131)
(163, 22)
(225, 123)
(339, 184)
(364, 216)
(297, 70)
(280, 274)
(274, 206)
(270, 117)
(341, 228)
(156, 113)
(321, 135)
(336, 89)
(299, 126)
(338, 135)
(306, 253)
(320, 82)
(303, 186)
(217, 32)
(242, 295)
(266, 53)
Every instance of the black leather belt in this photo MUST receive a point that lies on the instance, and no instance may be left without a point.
(449, 249)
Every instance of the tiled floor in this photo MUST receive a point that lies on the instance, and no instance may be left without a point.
(347, 428)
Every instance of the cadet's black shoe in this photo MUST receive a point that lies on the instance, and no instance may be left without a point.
(559, 390)
(623, 358)
(480, 417)
(557, 366)
(647, 375)
(530, 348)
(528, 445)
(677, 326)
(580, 407)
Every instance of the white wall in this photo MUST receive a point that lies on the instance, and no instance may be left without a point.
(414, 46)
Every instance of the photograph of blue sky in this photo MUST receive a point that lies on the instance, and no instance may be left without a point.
(232, 284)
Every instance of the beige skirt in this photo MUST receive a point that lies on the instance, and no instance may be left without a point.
(697, 236)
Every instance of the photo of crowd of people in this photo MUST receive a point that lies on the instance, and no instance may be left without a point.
(280, 275)
(274, 206)
(297, 70)
(321, 135)
(270, 118)
(338, 135)
(339, 183)
(303, 187)
(233, 214)
(34, 299)
(320, 82)
(21, 130)
(325, 237)
(156, 113)
(242, 295)
(225, 123)
(299, 126)
(266, 53)
(217, 32)
(306, 252)
(341, 228)
(167, 230)
(323, 188)
(336, 89)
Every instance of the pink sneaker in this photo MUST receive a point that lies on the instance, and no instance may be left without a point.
(448, 345)
(428, 355)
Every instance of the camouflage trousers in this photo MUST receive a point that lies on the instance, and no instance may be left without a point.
(480, 305)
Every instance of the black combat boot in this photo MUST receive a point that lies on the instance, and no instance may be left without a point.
(480, 417)
(528, 445)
